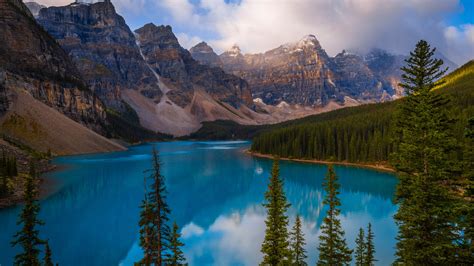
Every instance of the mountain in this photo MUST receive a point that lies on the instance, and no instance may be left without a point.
(39, 83)
(174, 63)
(302, 73)
(192, 92)
(146, 75)
(204, 53)
(104, 49)
(297, 73)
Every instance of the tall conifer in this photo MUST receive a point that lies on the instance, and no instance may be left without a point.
(333, 249)
(28, 236)
(297, 243)
(370, 248)
(426, 229)
(360, 250)
(275, 247)
(146, 230)
(154, 232)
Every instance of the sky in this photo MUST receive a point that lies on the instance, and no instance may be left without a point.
(359, 25)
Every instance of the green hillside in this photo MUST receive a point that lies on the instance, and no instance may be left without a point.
(359, 134)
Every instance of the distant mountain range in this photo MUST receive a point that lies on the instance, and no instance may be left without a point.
(302, 73)
(83, 61)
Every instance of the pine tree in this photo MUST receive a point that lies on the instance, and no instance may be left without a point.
(333, 249)
(426, 232)
(297, 244)
(154, 233)
(370, 248)
(360, 250)
(28, 236)
(146, 231)
(47, 261)
(176, 255)
(275, 247)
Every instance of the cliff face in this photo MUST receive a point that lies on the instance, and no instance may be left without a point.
(184, 74)
(302, 73)
(354, 77)
(31, 60)
(103, 47)
(298, 73)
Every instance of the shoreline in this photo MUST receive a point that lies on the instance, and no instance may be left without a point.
(376, 167)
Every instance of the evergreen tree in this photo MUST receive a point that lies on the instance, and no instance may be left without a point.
(146, 231)
(159, 211)
(360, 250)
(275, 247)
(176, 255)
(28, 236)
(297, 244)
(426, 231)
(370, 248)
(47, 261)
(333, 249)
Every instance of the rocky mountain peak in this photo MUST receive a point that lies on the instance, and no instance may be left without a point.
(204, 53)
(162, 35)
(202, 47)
(100, 14)
(103, 47)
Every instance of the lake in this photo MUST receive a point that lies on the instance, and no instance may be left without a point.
(215, 192)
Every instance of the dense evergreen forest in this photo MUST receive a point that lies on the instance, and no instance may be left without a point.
(363, 133)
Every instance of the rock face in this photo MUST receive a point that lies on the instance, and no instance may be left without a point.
(147, 70)
(302, 73)
(203, 53)
(354, 77)
(184, 74)
(104, 49)
(31, 60)
(297, 73)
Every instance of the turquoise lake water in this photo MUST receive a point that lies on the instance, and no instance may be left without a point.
(216, 194)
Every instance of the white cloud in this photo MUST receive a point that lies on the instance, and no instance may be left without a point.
(260, 25)
(191, 229)
(460, 42)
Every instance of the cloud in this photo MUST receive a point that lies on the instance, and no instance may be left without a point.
(460, 42)
(260, 25)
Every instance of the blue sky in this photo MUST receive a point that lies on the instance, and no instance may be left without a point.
(260, 25)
